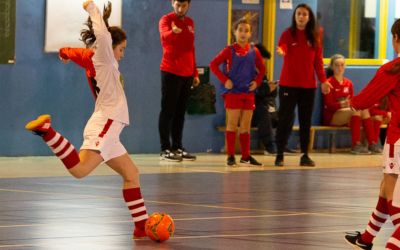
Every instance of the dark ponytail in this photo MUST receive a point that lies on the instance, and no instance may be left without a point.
(117, 34)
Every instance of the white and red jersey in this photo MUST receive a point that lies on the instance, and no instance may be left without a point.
(111, 100)
(386, 82)
(339, 92)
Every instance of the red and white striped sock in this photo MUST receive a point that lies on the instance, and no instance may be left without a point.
(393, 242)
(135, 203)
(62, 148)
(378, 218)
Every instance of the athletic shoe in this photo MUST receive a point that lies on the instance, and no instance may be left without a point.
(375, 149)
(354, 239)
(185, 155)
(279, 161)
(167, 155)
(250, 161)
(359, 149)
(306, 161)
(139, 233)
(231, 161)
(39, 126)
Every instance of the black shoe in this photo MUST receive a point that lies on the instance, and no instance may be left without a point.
(230, 161)
(279, 161)
(306, 161)
(185, 155)
(167, 155)
(354, 239)
(250, 161)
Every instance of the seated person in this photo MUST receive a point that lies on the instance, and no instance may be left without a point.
(337, 111)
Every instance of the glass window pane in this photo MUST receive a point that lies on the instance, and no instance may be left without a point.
(349, 27)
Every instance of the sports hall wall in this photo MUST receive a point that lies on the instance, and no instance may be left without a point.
(39, 83)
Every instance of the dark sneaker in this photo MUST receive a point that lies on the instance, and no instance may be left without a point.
(250, 161)
(231, 161)
(167, 155)
(185, 155)
(354, 239)
(306, 161)
(359, 149)
(375, 149)
(39, 126)
(279, 161)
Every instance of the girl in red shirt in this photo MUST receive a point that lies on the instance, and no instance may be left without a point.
(302, 57)
(243, 72)
(386, 82)
(337, 111)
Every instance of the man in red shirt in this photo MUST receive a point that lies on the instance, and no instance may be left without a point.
(178, 74)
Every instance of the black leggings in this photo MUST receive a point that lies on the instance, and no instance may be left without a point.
(288, 99)
(175, 92)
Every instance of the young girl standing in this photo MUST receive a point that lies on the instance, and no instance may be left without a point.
(243, 71)
(101, 134)
(337, 111)
(386, 82)
(301, 48)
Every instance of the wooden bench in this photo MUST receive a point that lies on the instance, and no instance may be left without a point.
(332, 131)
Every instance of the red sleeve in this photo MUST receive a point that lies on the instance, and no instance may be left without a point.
(195, 72)
(283, 41)
(224, 55)
(260, 67)
(165, 29)
(382, 83)
(80, 56)
(319, 64)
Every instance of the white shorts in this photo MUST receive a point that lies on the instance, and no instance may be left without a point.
(102, 134)
(391, 158)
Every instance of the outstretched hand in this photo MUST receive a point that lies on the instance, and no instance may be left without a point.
(326, 87)
(280, 51)
(175, 28)
(65, 61)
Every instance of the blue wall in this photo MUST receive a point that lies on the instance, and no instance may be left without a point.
(39, 83)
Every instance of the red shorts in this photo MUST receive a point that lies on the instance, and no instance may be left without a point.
(239, 101)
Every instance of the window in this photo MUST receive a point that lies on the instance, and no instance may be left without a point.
(349, 27)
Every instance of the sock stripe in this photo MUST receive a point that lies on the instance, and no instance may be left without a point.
(140, 218)
(55, 145)
(53, 140)
(380, 215)
(371, 230)
(137, 210)
(70, 149)
(394, 241)
(60, 148)
(135, 202)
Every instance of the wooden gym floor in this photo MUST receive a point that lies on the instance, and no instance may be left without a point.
(214, 207)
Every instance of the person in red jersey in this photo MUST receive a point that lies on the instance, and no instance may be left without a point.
(337, 111)
(386, 82)
(302, 57)
(243, 71)
(178, 74)
(101, 135)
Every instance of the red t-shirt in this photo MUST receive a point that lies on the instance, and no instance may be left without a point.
(339, 92)
(384, 83)
(178, 49)
(301, 61)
